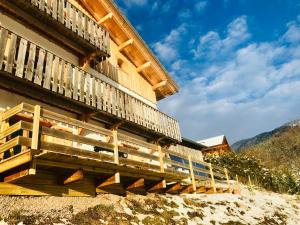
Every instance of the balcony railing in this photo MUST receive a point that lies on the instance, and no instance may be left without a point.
(70, 20)
(26, 60)
(48, 136)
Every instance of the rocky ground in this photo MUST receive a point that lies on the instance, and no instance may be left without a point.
(251, 207)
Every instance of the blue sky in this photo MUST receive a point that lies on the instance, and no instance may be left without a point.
(237, 61)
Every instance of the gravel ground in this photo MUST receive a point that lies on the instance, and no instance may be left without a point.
(251, 207)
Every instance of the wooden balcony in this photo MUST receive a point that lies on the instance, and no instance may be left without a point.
(63, 21)
(46, 153)
(26, 62)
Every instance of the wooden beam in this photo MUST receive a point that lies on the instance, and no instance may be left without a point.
(15, 161)
(138, 184)
(19, 175)
(105, 18)
(160, 84)
(74, 177)
(113, 180)
(192, 173)
(158, 186)
(125, 44)
(174, 188)
(143, 66)
(188, 189)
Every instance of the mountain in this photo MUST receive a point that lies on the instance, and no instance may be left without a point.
(246, 143)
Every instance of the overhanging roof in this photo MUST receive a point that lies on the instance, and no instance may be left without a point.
(138, 52)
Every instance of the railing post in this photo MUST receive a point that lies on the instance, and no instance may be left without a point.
(36, 127)
(213, 184)
(116, 153)
(227, 178)
(161, 159)
(192, 173)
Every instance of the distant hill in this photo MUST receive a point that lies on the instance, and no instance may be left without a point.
(246, 143)
(278, 150)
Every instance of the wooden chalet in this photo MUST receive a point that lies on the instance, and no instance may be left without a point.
(215, 145)
(78, 98)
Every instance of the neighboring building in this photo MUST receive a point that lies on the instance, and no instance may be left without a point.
(215, 146)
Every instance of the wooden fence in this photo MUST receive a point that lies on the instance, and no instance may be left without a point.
(26, 127)
(28, 61)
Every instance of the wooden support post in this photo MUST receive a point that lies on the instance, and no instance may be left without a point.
(36, 127)
(213, 184)
(116, 152)
(161, 159)
(74, 177)
(227, 179)
(192, 173)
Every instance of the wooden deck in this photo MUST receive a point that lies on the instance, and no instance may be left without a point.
(31, 63)
(45, 153)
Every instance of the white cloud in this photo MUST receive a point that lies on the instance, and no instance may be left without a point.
(293, 33)
(167, 48)
(212, 45)
(254, 89)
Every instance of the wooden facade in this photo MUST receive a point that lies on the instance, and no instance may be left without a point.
(90, 122)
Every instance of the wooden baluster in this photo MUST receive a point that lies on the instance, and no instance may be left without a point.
(62, 78)
(79, 24)
(93, 92)
(99, 94)
(68, 79)
(88, 89)
(68, 15)
(40, 66)
(54, 9)
(75, 85)
(3, 43)
(82, 83)
(61, 6)
(213, 184)
(11, 54)
(31, 61)
(48, 71)
(74, 19)
(56, 73)
(21, 58)
(192, 173)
